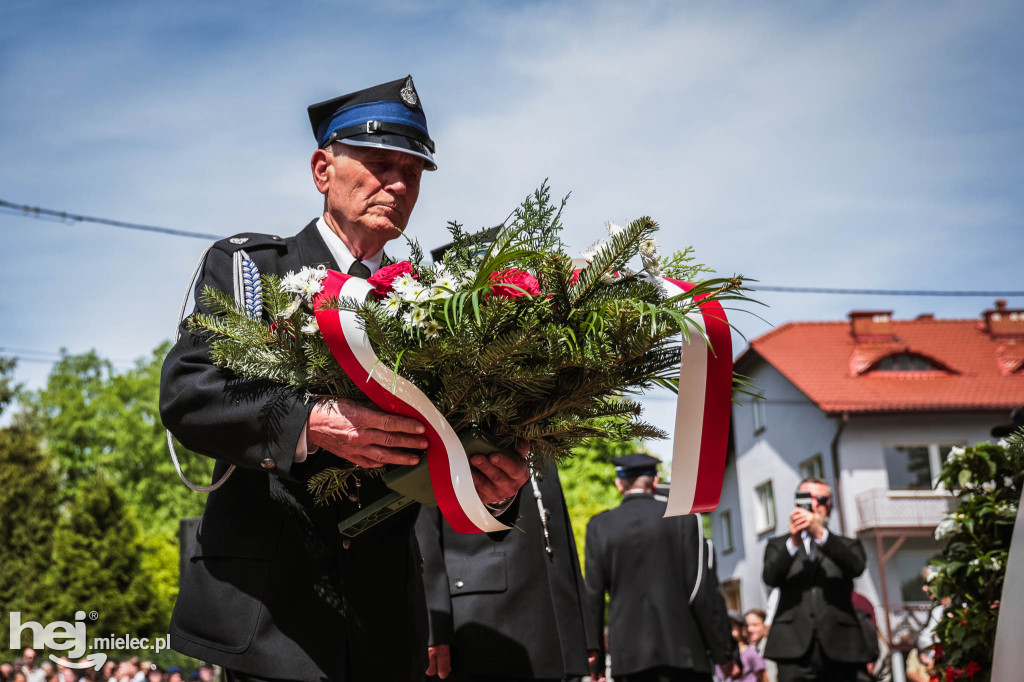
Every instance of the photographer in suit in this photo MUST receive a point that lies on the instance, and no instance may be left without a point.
(815, 635)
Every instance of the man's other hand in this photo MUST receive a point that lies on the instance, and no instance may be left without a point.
(440, 657)
(498, 476)
(364, 435)
(731, 669)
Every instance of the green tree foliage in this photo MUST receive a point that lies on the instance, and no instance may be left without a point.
(28, 515)
(102, 425)
(970, 571)
(96, 564)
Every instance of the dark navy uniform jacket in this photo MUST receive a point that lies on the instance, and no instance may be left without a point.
(504, 605)
(665, 608)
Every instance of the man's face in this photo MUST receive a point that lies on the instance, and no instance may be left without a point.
(755, 626)
(821, 499)
(29, 656)
(372, 189)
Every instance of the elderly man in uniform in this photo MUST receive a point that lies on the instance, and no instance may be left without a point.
(272, 591)
(666, 617)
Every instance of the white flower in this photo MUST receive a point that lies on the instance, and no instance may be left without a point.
(613, 229)
(311, 326)
(415, 317)
(947, 526)
(993, 564)
(989, 486)
(974, 562)
(651, 265)
(392, 305)
(290, 310)
(954, 452)
(593, 250)
(1008, 481)
(431, 329)
(649, 248)
(305, 282)
(445, 284)
(468, 277)
(404, 283)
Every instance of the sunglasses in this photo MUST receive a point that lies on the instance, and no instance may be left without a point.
(823, 499)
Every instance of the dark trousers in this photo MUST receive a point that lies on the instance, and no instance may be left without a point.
(814, 666)
(664, 674)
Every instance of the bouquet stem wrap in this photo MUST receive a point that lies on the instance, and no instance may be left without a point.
(450, 474)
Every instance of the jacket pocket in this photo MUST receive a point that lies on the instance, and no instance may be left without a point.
(239, 536)
(479, 574)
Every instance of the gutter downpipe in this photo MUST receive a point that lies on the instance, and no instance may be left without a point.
(837, 484)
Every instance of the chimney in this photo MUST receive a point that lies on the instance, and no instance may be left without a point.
(1004, 321)
(925, 316)
(871, 325)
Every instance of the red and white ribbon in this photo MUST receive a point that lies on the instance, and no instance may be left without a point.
(450, 473)
(702, 409)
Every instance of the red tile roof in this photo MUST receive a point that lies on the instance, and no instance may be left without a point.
(975, 370)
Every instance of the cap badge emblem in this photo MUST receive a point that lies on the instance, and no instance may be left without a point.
(409, 93)
(238, 240)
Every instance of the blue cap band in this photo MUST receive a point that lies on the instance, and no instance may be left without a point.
(387, 111)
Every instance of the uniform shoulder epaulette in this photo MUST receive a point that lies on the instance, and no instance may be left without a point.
(249, 241)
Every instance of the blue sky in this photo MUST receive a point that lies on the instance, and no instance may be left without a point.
(870, 144)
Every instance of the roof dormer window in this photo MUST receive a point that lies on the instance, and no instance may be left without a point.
(905, 362)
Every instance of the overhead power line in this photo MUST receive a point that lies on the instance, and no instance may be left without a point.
(883, 292)
(65, 217)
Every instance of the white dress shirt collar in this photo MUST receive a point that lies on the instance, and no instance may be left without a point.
(342, 256)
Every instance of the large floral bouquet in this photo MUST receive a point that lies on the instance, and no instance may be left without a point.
(513, 337)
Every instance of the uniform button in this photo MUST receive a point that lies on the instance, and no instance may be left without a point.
(275, 237)
(268, 463)
(459, 584)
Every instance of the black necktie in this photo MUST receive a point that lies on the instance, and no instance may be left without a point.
(357, 269)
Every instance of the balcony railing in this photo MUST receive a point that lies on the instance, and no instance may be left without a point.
(906, 622)
(883, 508)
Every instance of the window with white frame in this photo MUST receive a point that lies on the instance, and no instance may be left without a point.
(759, 414)
(915, 467)
(765, 507)
(725, 527)
(812, 467)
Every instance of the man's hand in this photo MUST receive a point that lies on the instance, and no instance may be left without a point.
(499, 476)
(364, 435)
(440, 660)
(731, 669)
(801, 520)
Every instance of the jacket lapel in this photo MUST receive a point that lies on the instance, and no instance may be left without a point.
(312, 249)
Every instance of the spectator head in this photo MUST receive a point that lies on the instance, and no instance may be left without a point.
(108, 669)
(739, 627)
(755, 625)
(28, 658)
(19, 677)
(821, 497)
(174, 674)
(67, 675)
(154, 673)
(6, 670)
(206, 672)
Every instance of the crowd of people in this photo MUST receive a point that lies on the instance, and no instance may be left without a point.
(28, 668)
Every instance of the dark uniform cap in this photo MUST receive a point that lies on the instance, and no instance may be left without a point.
(386, 116)
(637, 464)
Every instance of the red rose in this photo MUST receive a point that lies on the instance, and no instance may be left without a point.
(383, 279)
(938, 651)
(952, 674)
(526, 283)
(972, 669)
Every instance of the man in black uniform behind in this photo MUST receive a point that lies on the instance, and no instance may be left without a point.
(272, 591)
(507, 606)
(666, 617)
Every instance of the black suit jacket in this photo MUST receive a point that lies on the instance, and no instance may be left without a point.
(269, 589)
(503, 604)
(665, 608)
(814, 599)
